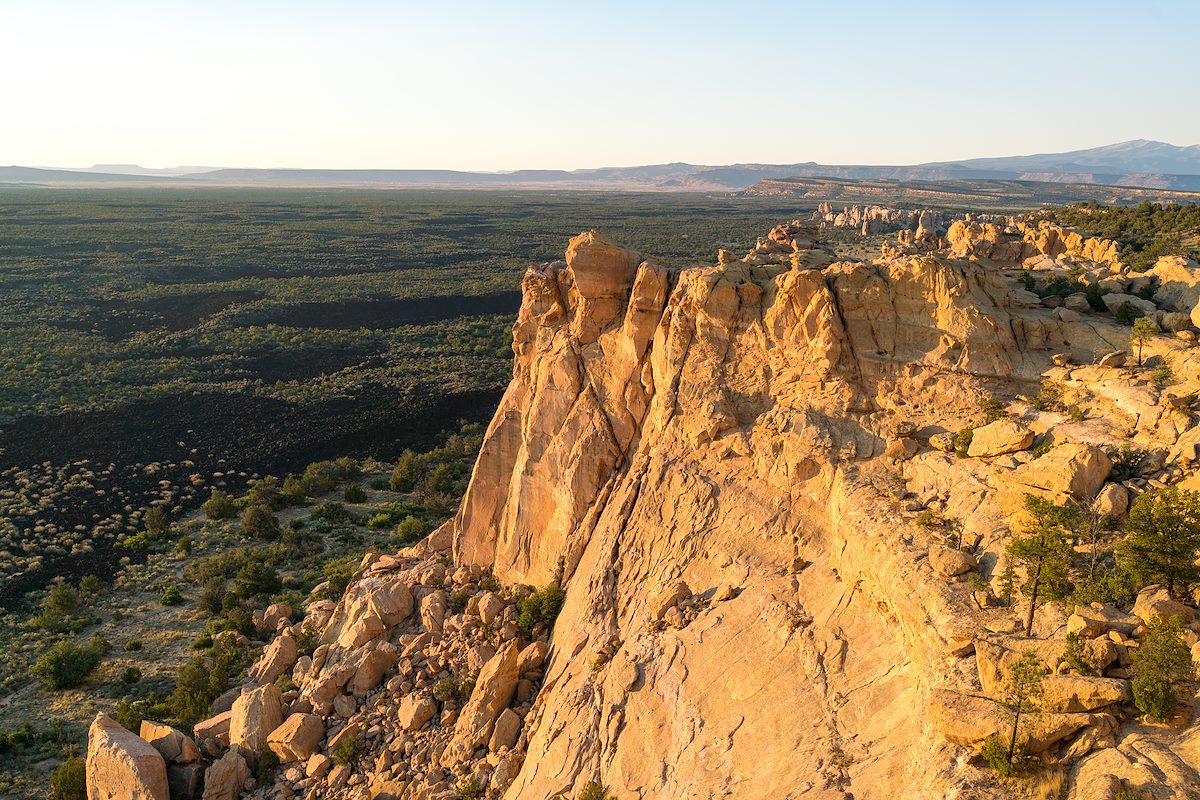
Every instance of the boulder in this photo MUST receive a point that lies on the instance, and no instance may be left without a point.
(297, 738)
(668, 598)
(1077, 302)
(184, 780)
(255, 714)
(970, 721)
(215, 727)
(175, 746)
(1154, 602)
(317, 765)
(1115, 300)
(371, 666)
(1178, 283)
(433, 612)
(949, 562)
(1000, 437)
(415, 711)
(369, 608)
(123, 766)
(1089, 622)
(277, 658)
(225, 778)
(1113, 360)
(1069, 472)
(490, 605)
(506, 731)
(943, 441)
(1111, 501)
(532, 657)
(600, 269)
(1073, 693)
(493, 691)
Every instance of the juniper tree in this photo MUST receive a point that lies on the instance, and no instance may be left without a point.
(1162, 535)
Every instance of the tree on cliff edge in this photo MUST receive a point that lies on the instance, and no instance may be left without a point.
(1044, 550)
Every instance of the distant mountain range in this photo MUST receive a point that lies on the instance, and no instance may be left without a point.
(1138, 163)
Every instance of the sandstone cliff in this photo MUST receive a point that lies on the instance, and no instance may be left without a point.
(743, 477)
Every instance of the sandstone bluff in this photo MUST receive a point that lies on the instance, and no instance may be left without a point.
(731, 469)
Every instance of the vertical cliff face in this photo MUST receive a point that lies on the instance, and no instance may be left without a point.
(700, 457)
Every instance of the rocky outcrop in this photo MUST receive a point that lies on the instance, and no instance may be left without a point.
(123, 766)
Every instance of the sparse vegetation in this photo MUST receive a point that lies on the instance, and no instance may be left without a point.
(540, 608)
(1161, 665)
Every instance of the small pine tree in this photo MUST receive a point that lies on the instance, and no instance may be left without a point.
(1045, 551)
(1143, 330)
(155, 521)
(219, 506)
(1162, 536)
(1022, 693)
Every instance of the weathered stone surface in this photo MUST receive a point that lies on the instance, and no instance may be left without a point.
(175, 746)
(278, 658)
(224, 779)
(372, 605)
(668, 598)
(1154, 602)
(1000, 437)
(216, 727)
(255, 714)
(493, 691)
(1111, 501)
(297, 737)
(121, 765)
(949, 561)
(415, 711)
(506, 731)
(1088, 622)
(1070, 472)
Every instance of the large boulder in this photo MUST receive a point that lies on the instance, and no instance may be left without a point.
(1070, 693)
(1070, 472)
(297, 738)
(415, 711)
(123, 766)
(1115, 300)
(949, 562)
(970, 721)
(175, 746)
(493, 692)
(256, 713)
(1000, 437)
(370, 607)
(1088, 622)
(215, 727)
(278, 657)
(224, 779)
(1154, 602)
(1178, 284)
(600, 268)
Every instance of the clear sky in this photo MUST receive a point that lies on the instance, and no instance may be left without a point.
(509, 84)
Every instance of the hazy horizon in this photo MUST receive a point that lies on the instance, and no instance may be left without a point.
(468, 86)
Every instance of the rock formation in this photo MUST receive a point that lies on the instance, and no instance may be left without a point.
(781, 552)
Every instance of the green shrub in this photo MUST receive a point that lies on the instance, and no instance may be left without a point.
(128, 715)
(264, 492)
(257, 579)
(1162, 376)
(131, 675)
(410, 531)
(540, 607)
(995, 755)
(203, 679)
(339, 572)
(59, 607)
(348, 750)
(404, 475)
(258, 522)
(219, 506)
(1049, 397)
(962, 441)
(132, 646)
(992, 409)
(66, 664)
(1126, 460)
(451, 688)
(470, 789)
(1127, 313)
(354, 494)
(69, 781)
(1074, 656)
(154, 520)
(171, 596)
(1160, 667)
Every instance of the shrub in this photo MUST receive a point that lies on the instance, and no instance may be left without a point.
(132, 646)
(202, 680)
(1126, 460)
(171, 596)
(155, 521)
(90, 588)
(335, 513)
(69, 781)
(1049, 397)
(66, 664)
(962, 441)
(258, 522)
(540, 607)
(1162, 376)
(1161, 665)
(404, 476)
(992, 409)
(264, 492)
(995, 755)
(131, 675)
(1127, 313)
(59, 607)
(450, 688)
(348, 750)
(470, 789)
(292, 493)
(258, 579)
(128, 715)
(1074, 656)
(339, 572)
(593, 790)
(354, 494)
(410, 531)
(185, 545)
(219, 506)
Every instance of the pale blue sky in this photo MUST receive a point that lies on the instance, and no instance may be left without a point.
(504, 85)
